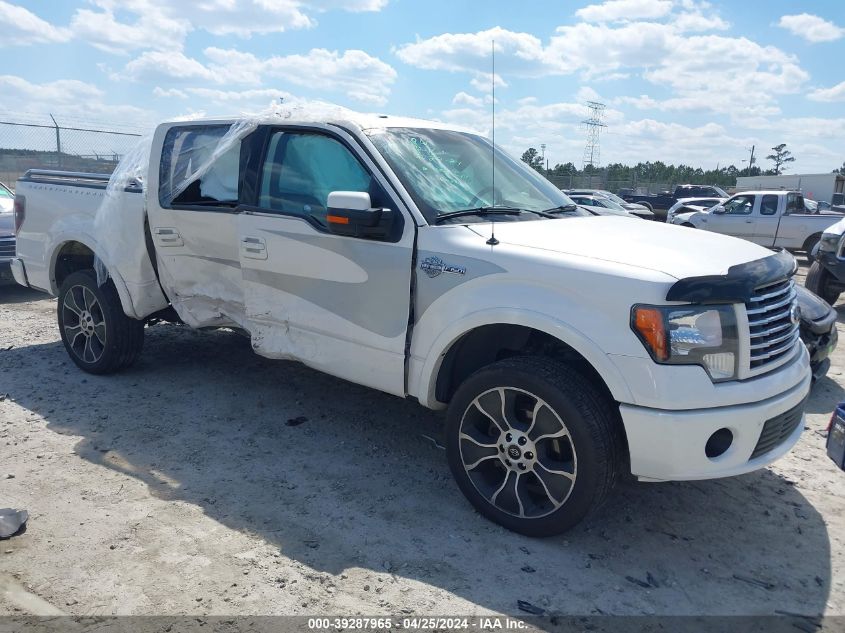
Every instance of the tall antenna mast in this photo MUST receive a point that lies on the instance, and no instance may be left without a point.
(593, 123)
(493, 241)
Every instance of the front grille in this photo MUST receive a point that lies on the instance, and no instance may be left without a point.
(777, 429)
(7, 246)
(771, 329)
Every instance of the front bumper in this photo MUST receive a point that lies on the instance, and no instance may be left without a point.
(670, 445)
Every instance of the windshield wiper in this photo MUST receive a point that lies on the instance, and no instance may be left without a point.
(561, 209)
(480, 211)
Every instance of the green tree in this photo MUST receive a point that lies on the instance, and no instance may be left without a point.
(841, 170)
(780, 157)
(533, 159)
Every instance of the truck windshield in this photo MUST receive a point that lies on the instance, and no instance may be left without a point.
(446, 171)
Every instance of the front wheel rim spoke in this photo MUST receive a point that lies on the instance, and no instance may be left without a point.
(89, 299)
(500, 424)
(546, 424)
(550, 481)
(70, 302)
(507, 491)
(88, 348)
(100, 332)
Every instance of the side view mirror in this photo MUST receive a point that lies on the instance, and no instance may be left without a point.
(350, 213)
(719, 209)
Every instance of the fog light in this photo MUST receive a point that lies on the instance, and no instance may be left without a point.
(718, 443)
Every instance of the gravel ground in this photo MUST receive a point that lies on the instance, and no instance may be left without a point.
(206, 480)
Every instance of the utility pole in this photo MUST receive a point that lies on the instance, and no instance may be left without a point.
(543, 156)
(593, 124)
(751, 160)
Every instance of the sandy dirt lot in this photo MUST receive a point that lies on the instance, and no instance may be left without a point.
(207, 480)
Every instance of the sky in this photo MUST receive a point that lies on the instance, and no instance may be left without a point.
(683, 81)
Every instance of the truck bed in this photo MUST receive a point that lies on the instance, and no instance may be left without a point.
(62, 209)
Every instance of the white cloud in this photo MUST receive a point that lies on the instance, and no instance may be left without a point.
(353, 73)
(483, 82)
(128, 25)
(71, 98)
(811, 27)
(471, 52)
(462, 98)
(153, 65)
(155, 27)
(834, 93)
(158, 91)
(21, 26)
(614, 10)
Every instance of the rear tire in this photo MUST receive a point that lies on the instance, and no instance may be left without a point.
(819, 281)
(97, 334)
(533, 445)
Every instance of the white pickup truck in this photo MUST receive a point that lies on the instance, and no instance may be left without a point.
(769, 218)
(568, 350)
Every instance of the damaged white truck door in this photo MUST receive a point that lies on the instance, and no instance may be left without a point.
(337, 303)
(192, 209)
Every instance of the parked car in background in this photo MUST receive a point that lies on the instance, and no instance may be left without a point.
(818, 329)
(632, 207)
(769, 218)
(7, 233)
(815, 206)
(826, 276)
(604, 204)
(691, 205)
(661, 202)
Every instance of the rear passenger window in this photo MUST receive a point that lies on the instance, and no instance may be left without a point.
(769, 205)
(794, 203)
(191, 173)
(302, 169)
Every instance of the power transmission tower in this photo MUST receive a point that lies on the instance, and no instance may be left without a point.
(593, 124)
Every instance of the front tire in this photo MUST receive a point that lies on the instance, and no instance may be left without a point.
(818, 281)
(97, 334)
(533, 445)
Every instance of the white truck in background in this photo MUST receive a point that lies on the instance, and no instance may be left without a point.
(567, 350)
(776, 219)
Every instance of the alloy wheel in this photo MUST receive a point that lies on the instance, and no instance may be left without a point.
(517, 452)
(84, 324)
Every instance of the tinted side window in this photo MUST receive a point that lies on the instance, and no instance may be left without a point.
(740, 205)
(769, 205)
(187, 174)
(302, 169)
(794, 203)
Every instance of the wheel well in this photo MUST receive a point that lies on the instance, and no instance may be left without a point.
(689, 224)
(810, 242)
(490, 343)
(73, 256)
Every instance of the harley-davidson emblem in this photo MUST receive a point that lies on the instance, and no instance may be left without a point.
(434, 266)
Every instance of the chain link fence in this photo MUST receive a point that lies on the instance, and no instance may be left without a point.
(25, 146)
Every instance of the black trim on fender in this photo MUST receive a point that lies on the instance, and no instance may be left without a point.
(738, 285)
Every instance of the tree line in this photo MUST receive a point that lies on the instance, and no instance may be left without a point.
(660, 172)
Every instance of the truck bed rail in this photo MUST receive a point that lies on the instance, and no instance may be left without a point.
(74, 178)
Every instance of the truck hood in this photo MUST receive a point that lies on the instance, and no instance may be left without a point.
(676, 251)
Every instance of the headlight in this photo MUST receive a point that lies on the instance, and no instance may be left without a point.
(690, 335)
(829, 242)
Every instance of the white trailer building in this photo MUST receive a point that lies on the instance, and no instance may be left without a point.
(822, 187)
